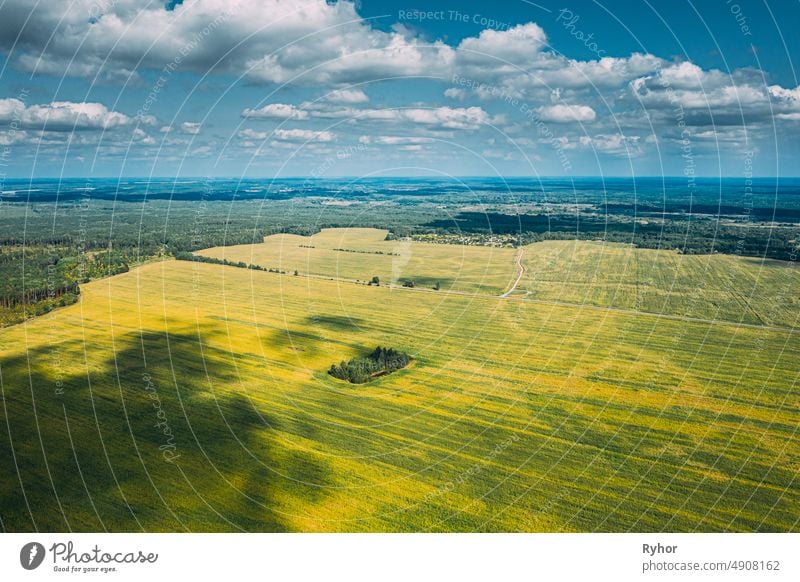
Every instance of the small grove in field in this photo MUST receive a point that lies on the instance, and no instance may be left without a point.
(379, 362)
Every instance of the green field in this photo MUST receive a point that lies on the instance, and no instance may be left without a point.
(513, 416)
(724, 287)
(476, 269)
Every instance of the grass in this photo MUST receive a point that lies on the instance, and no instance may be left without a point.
(724, 287)
(458, 268)
(516, 416)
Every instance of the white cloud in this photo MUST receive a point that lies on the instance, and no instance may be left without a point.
(394, 140)
(328, 47)
(250, 137)
(11, 137)
(447, 117)
(567, 113)
(140, 136)
(190, 127)
(787, 101)
(276, 111)
(704, 98)
(61, 115)
(251, 134)
(202, 151)
(307, 41)
(517, 61)
(516, 45)
(685, 75)
(434, 117)
(617, 144)
(787, 95)
(303, 42)
(456, 93)
(349, 96)
(303, 135)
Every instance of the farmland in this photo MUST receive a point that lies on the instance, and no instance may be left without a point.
(358, 254)
(718, 287)
(191, 396)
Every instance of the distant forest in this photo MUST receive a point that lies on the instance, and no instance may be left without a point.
(688, 234)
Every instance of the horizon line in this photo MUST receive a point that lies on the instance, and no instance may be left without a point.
(417, 177)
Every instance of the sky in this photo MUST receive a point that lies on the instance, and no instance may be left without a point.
(315, 88)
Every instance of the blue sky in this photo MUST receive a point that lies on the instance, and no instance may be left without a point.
(268, 88)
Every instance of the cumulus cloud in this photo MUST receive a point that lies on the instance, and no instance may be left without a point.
(616, 144)
(394, 140)
(567, 113)
(302, 135)
(276, 111)
(712, 97)
(446, 117)
(443, 118)
(140, 136)
(500, 48)
(302, 42)
(434, 117)
(316, 42)
(791, 96)
(349, 96)
(517, 62)
(787, 102)
(11, 137)
(306, 41)
(190, 127)
(253, 135)
(326, 47)
(61, 116)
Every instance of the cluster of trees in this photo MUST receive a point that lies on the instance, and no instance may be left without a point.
(31, 275)
(35, 279)
(29, 296)
(380, 362)
(19, 312)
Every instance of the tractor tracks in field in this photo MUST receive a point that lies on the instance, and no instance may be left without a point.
(521, 273)
(668, 316)
(507, 296)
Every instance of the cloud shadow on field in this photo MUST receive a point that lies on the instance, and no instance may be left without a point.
(154, 439)
(427, 281)
(335, 322)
